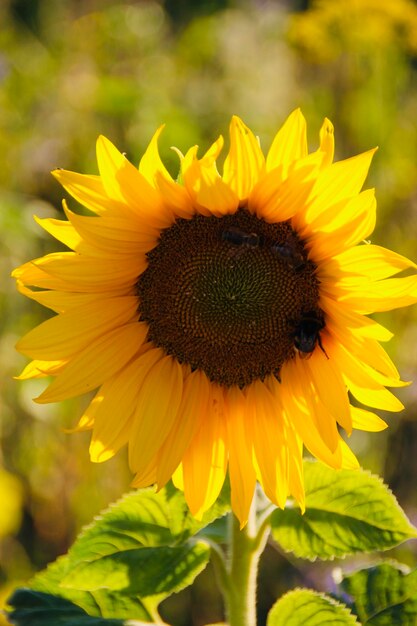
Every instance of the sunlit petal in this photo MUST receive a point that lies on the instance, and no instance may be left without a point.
(245, 162)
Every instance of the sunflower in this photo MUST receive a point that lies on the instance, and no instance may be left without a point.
(221, 319)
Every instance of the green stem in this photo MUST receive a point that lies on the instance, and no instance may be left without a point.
(220, 567)
(246, 546)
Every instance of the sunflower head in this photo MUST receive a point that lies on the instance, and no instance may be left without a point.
(222, 320)
(228, 295)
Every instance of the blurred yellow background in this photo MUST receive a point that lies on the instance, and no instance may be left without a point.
(70, 70)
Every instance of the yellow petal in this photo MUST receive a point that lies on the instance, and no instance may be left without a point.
(298, 413)
(40, 369)
(368, 353)
(97, 363)
(324, 420)
(190, 174)
(344, 318)
(157, 407)
(63, 335)
(205, 184)
(367, 260)
(266, 427)
(245, 162)
(178, 478)
(205, 462)
(33, 275)
(295, 465)
(147, 476)
(113, 419)
(359, 381)
(151, 162)
(86, 421)
(124, 183)
(327, 141)
(62, 231)
(58, 301)
(193, 407)
(290, 143)
(151, 166)
(176, 198)
(241, 470)
(366, 420)
(114, 235)
(294, 447)
(384, 295)
(85, 274)
(340, 180)
(117, 174)
(66, 233)
(342, 213)
(88, 191)
(290, 196)
(349, 460)
(330, 388)
(355, 221)
(266, 191)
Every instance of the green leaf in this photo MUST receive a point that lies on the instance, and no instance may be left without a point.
(146, 519)
(100, 603)
(304, 607)
(135, 554)
(143, 545)
(32, 608)
(347, 511)
(384, 595)
(145, 571)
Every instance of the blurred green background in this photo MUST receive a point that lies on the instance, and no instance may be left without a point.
(70, 70)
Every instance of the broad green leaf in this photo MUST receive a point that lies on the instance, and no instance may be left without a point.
(143, 572)
(384, 595)
(32, 608)
(142, 545)
(304, 607)
(130, 558)
(144, 519)
(347, 511)
(100, 603)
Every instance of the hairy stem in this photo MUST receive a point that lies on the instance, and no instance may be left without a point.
(246, 546)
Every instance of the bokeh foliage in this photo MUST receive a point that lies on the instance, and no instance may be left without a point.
(71, 70)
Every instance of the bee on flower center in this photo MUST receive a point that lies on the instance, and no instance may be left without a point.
(238, 237)
(307, 334)
(290, 255)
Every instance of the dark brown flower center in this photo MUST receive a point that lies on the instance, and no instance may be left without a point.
(227, 295)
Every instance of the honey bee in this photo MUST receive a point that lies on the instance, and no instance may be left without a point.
(287, 253)
(239, 237)
(307, 334)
